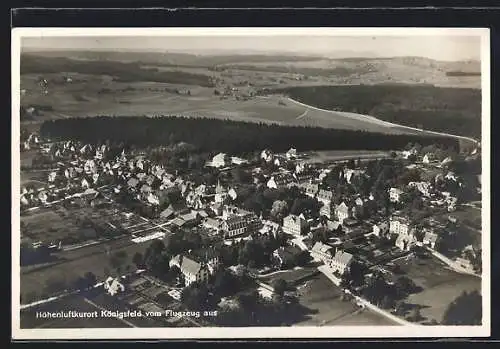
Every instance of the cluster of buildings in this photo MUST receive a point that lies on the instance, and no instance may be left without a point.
(77, 168)
(187, 205)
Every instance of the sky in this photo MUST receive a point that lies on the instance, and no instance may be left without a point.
(439, 47)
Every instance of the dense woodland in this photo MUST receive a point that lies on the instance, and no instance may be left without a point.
(127, 72)
(451, 110)
(462, 73)
(224, 135)
(337, 71)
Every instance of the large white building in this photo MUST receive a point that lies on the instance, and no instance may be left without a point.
(190, 269)
(295, 225)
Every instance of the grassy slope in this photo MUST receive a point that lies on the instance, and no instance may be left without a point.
(432, 108)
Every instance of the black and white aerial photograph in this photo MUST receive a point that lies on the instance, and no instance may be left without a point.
(232, 182)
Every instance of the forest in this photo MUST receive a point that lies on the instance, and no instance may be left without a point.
(462, 73)
(122, 71)
(451, 110)
(234, 137)
(338, 71)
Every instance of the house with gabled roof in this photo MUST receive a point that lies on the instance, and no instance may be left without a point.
(325, 196)
(322, 252)
(280, 180)
(209, 256)
(311, 189)
(349, 174)
(85, 183)
(90, 166)
(295, 225)
(344, 210)
(219, 160)
(113, 286)
(234, 226)
(266, 155)
(430, 239)
(401, 225)
(395, 194)
(291, 154)
(341, 262)
(191, 270)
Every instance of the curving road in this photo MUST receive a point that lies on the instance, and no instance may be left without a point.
(374, 120)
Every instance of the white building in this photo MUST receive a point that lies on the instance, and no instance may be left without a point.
(190, 269)
(428, 158)
(267, 155)
(341, 262)
(219, 160)
(113, 286)
(295, 225)
(322, 252)
(291, 154)
(394, 194)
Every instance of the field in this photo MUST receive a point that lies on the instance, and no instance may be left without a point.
(49, 225)
(440, 286)
(340, 155)
(323, 298)
(93, 258)
(26, 157)
(151, 84)
(288, 275)
(149, 99)
(36, 179)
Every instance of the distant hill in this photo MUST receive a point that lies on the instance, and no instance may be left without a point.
(170, 58)
(119, 70)
(190, 59)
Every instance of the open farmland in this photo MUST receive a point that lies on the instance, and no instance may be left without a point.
(150, 99)
(289, 276)
(48, 225)
(440, 286)
(67, 272)
(341, 155)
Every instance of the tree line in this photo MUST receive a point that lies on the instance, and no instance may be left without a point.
(224, 135)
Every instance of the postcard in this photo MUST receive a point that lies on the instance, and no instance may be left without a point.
(213, 183)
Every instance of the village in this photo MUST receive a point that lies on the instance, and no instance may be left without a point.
(260, 227)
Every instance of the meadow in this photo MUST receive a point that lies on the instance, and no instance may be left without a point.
(440, 286)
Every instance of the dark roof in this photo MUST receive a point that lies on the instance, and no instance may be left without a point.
(204, 254)
(288, 252)
(178, 206)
